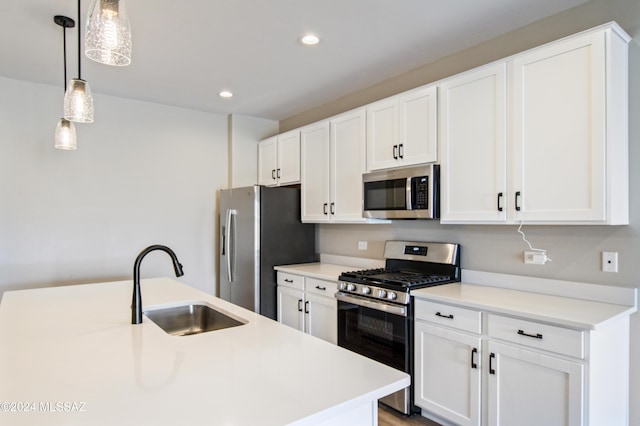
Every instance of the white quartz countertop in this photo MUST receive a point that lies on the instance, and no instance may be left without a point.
(574, 313)
(324, 271)
(69, 355)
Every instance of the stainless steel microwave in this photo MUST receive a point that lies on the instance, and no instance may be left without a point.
(410, 193)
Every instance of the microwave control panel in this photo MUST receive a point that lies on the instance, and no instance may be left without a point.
(420, 191)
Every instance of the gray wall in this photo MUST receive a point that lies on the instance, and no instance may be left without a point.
(575, 250)
(143, 174)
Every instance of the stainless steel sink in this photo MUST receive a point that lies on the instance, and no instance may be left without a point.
(193, 318)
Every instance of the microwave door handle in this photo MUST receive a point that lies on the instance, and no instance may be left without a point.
(408, 190)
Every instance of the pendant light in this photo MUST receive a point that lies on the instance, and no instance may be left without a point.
(108, 31)
(65, 130)
(78, 101)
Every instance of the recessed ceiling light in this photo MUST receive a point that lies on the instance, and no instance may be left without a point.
(225, 94)
(310, 39)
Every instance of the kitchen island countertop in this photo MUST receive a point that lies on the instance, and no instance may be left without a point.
(69, 355)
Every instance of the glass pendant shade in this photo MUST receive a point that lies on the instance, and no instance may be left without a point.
(78, 102)
(66, 135)
(108, 33)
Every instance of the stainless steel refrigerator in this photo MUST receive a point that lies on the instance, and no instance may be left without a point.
(260, 227)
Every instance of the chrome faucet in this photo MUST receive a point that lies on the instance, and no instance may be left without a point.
(136, 303)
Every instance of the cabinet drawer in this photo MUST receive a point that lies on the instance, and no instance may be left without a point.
(536, 335)
(325, 288)
(290, 280)
(451, 316)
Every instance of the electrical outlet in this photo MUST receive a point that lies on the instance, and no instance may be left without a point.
(362, 245)
(535, 257)
(610, 261)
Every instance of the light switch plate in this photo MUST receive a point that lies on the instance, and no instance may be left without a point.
(362, 245)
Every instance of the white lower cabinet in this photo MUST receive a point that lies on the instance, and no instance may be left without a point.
(528, 388)
(447, 373)
(290, 311)
(321, 317)
(476, 367)
(308, 304)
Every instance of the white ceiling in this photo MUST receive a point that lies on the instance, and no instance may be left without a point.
(186, 51)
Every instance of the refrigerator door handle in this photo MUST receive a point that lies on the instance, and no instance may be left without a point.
(224, 240)
(229, 240)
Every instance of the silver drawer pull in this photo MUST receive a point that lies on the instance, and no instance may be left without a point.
(450, 316)
(321, 288)
(535, 336)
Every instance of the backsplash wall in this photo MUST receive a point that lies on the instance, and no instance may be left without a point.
(574, 250)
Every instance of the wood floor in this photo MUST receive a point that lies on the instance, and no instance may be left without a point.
(389, 417)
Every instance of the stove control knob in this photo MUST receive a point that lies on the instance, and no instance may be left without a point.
(342, 286)
(351, 287)
(392, 296)
(366, 290)
(382, 294)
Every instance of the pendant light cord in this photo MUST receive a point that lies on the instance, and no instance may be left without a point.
(64, 55)
(79, 55)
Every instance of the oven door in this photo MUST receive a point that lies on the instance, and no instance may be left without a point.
(380, 331)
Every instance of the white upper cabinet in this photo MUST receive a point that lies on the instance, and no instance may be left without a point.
(314, 140)
(558, 153)
(567, 144)
(333, 161)
(401, 130)
(279, 159)
(473, 120)
(347, 165)
(268, 161)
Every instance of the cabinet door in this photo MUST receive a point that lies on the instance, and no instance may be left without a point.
(417, 125)
(382, 134)
(290, 307)
(314, 141)
(559, 131)
(447, 373)
(288, 170)
(527, 388)
(347, 165)
(473, 146)
(267, 161)
(322, 317)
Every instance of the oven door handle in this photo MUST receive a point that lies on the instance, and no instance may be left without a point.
(366, 303)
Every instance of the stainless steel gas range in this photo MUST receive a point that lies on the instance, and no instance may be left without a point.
(375, 306)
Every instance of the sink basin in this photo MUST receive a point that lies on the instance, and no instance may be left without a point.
(192, 318)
